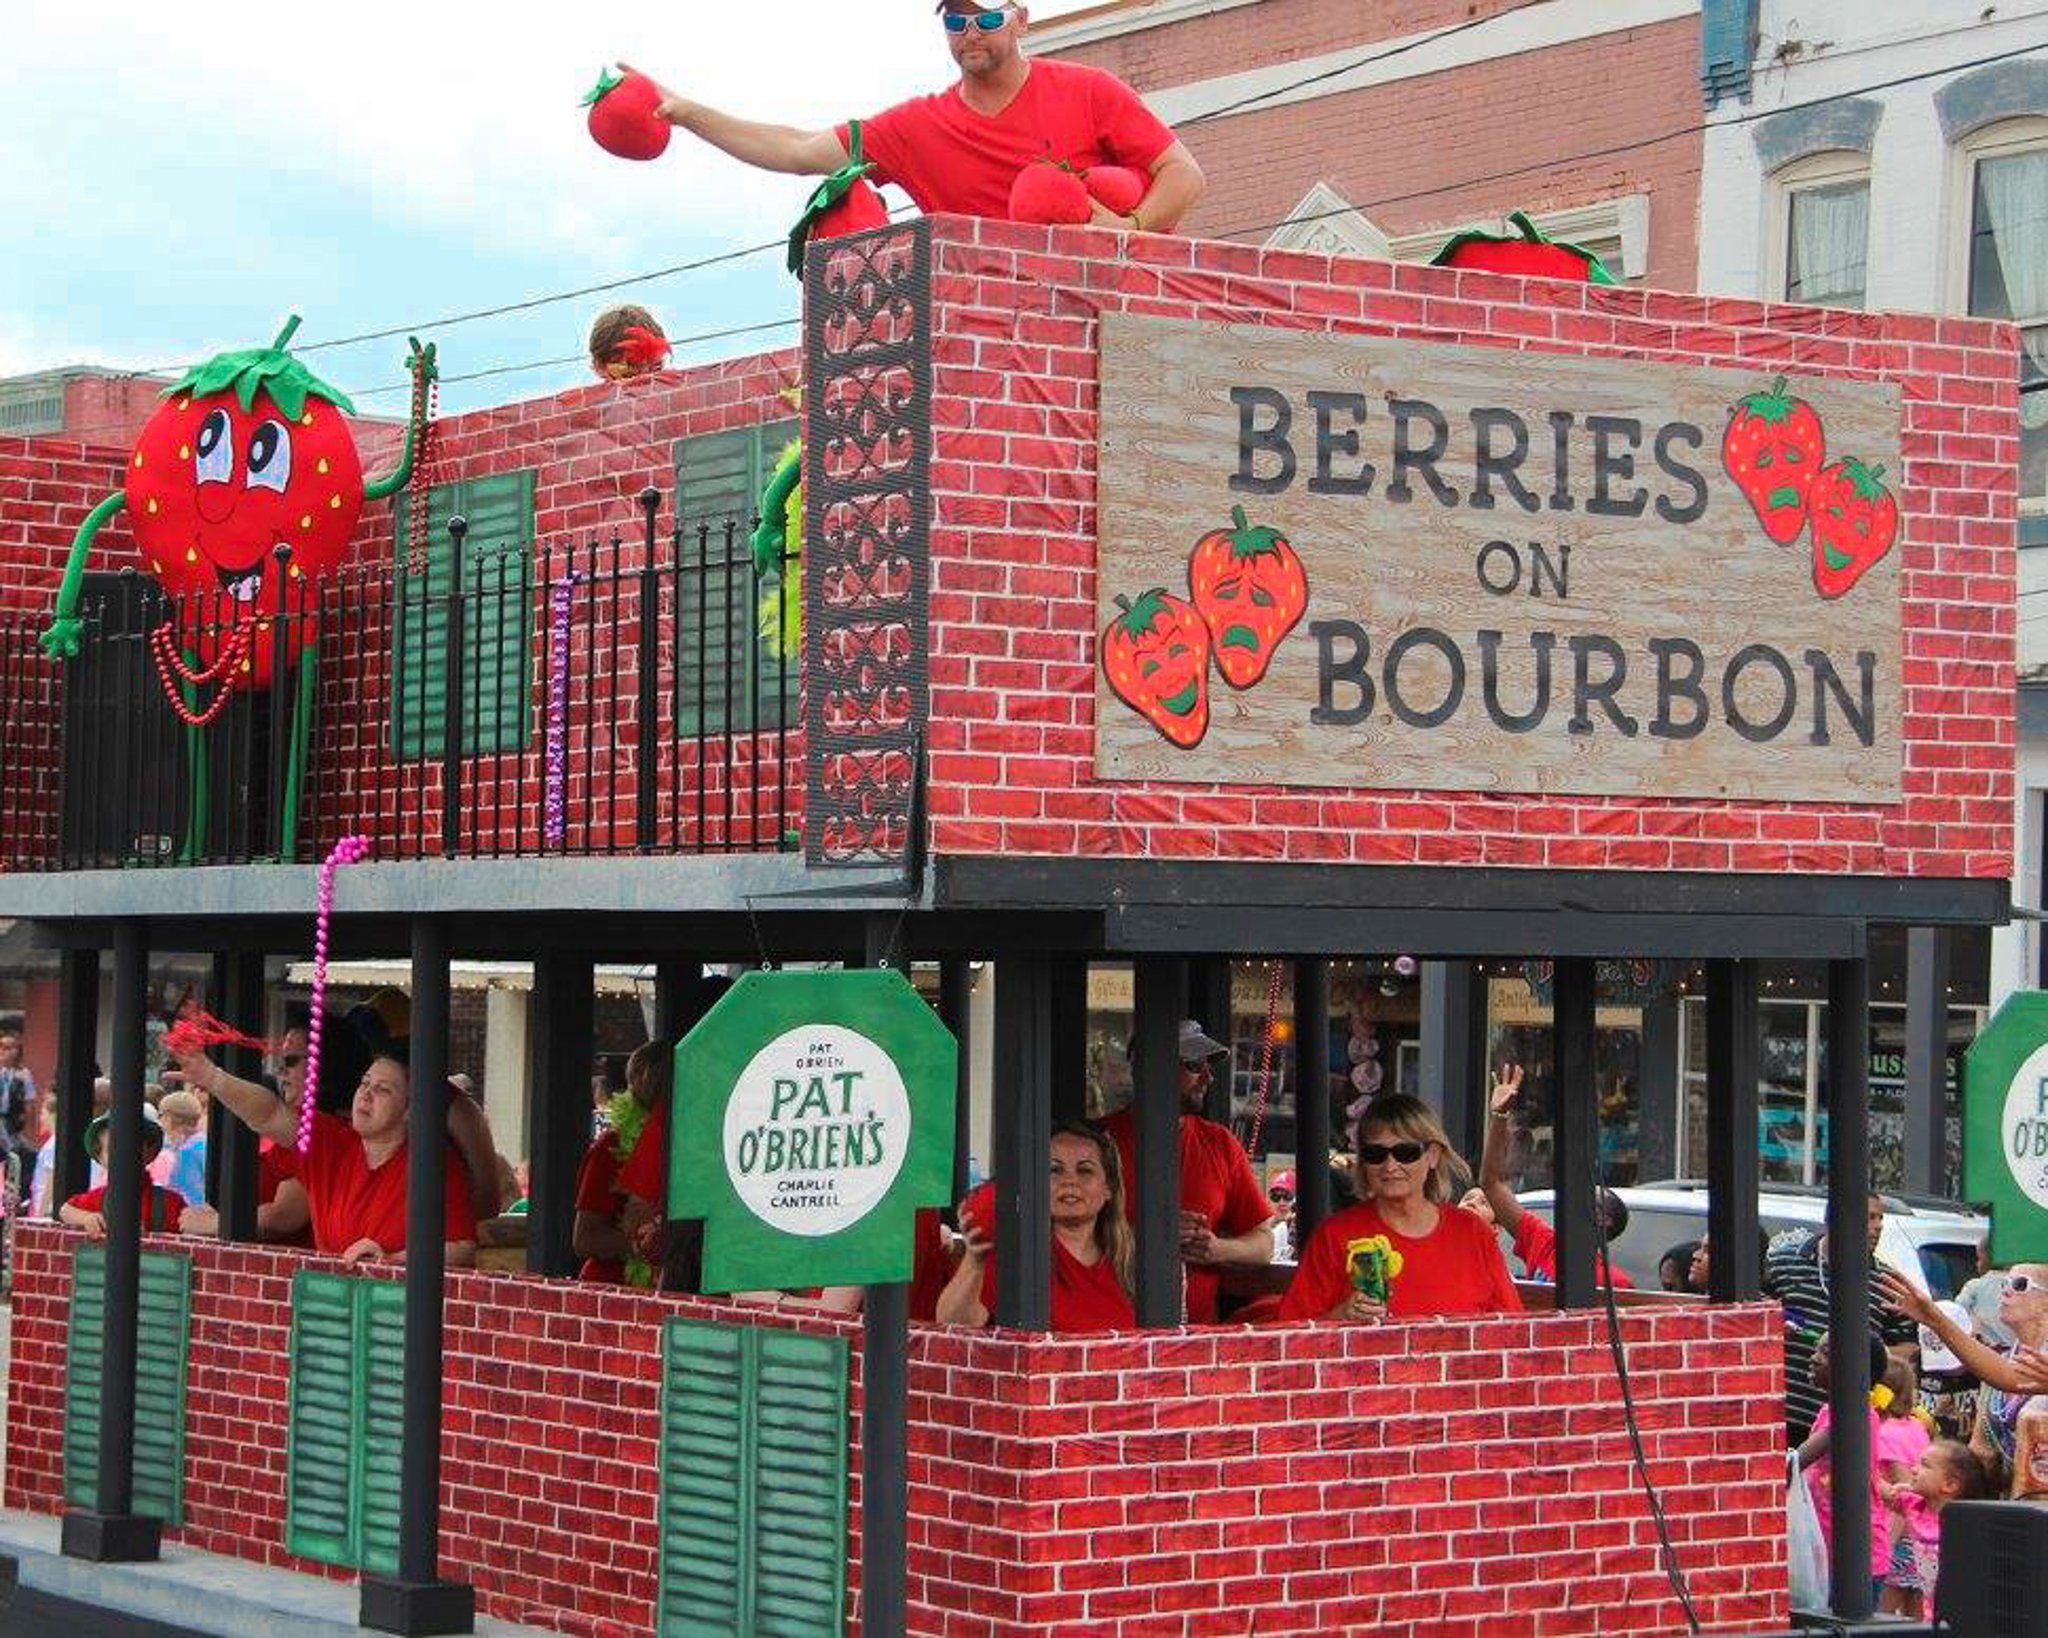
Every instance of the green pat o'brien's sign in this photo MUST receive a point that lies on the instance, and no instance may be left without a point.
(2005, 1126)
(813, 1115)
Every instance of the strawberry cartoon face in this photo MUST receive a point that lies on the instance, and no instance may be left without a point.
(1156, 656)
(1855, 521)
(248, 453)
(1773, 448)
(1250, 587)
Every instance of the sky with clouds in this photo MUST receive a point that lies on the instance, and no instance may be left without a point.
(175, 179)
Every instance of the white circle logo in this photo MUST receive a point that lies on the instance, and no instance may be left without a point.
(816, 1129)
(2023, 1127)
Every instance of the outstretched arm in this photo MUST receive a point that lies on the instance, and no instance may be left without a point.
(1493, 1155)
(2018, 1372)
(260, 1109)
(752, 142)
(424, 373)
(60, 637)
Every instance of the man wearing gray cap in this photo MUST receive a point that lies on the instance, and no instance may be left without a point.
(1225, 1217)
(960, 149)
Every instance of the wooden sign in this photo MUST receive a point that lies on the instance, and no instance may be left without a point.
(1344, 561)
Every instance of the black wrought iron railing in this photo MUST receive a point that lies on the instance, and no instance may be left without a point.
(636, 692)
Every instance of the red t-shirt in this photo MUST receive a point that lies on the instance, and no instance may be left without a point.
(645, 1172)
(1216, 1181)
(597, 1190)
(275, 1162)
(930, 1267)
(948, 158)
(1085, 1296)
(351, 1200)
(1536, 1246)
(162, 1209)
(1457, 1268)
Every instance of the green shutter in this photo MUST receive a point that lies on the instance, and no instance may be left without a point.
(381, 1326)
(720, 658)
(323, 1453)
(497, 621)
(799, 1484)
(753, 1481)
(162, 1342)
(347, 1420)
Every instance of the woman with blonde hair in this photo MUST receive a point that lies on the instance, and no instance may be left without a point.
(1094, 1253)
(1404, 1251)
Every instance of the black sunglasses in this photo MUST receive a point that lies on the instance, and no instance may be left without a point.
(1378, 1154)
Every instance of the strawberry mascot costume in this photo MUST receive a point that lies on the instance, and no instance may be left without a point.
(242, 490)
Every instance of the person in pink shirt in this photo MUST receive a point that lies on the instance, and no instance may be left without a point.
(1947, 1470)
(1819, 1471)
(1901, 1439)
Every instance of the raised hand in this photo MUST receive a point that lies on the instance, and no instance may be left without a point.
(1507, 1087)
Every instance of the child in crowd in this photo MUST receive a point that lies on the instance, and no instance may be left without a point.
(181, 1167)
(1947, 1471)
(1815, 1463)
(1902, 1438)
(161, 1208)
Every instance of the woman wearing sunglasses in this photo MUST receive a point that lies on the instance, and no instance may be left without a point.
(2012, 1411)
(1445, 1261)
(959, 150)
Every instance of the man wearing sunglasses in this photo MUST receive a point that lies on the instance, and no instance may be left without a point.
(959, 150)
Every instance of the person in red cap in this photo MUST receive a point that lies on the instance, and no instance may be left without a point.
(1225, 1216)
(959, 150)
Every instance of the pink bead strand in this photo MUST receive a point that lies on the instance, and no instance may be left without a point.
(349, 850)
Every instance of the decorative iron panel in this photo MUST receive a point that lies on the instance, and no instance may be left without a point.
(867, 529)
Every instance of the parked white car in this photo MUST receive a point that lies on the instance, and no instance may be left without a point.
(1932, 1242)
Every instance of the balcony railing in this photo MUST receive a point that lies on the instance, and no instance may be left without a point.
(636, 693)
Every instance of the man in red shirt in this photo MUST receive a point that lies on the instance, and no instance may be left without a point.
(1535, 1240)
(959, 150)
(1225, 1217)
(354, 1172)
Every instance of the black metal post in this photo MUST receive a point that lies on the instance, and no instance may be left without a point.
(231, 1145)
(956, 989)
(1159, 988)
(78, 1033)
(1069, 1038)
(1927, 1168)
(112, 1532)
(1452, 1074)
(647, 753)
(280, 704)
(1209, 1003)
(560, 1022)
(1659, 1108)
(678, 996)
(1848, 1254)
(1733, 1048)
(451, 701)
(1022, 1141)
(417, 1600)
(1311, 1096)
(1575, 1134)
(885, 1417)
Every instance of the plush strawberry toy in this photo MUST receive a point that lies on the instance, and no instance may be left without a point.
(845, 202)
(248, 452)
(1116, 187)
(1049, 190)
(622, 116)
(1525, 252)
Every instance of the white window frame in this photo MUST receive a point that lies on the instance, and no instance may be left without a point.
(1807, 174)
(1615, 230)
(2026, 133)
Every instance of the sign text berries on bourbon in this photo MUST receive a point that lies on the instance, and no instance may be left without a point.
(1351, 562)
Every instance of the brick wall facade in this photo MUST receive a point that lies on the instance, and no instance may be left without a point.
(1464, 1478)
(1428, 151)
(1014, 599)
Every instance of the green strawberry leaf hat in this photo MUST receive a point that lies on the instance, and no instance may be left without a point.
(261, 369)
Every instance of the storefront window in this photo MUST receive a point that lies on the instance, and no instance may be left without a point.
(1519, 1031)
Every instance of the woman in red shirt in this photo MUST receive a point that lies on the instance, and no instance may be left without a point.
(1450, 1262)
(1094, 1253)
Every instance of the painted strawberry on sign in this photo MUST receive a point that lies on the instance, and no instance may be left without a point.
(1156, 656)
(1773, 449)
(1251, 589)
(1855, 521)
